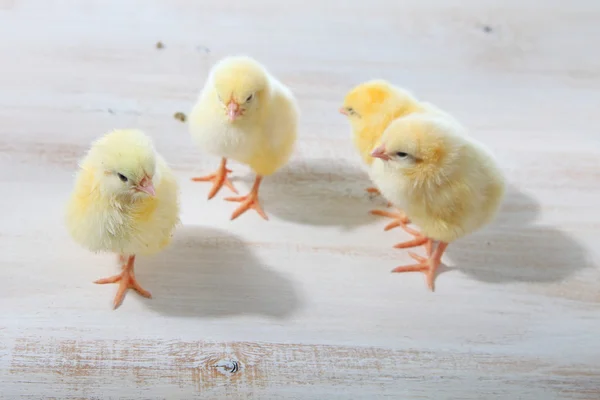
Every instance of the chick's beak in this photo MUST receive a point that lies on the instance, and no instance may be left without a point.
(379, 152)
(233, 110)
(147, 186)
(343, 111)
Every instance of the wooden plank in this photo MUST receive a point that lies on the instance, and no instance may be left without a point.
(174, 369)
(305, 302)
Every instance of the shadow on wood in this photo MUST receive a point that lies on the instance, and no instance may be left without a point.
(515, 249)
(210, 273)
(319, 192)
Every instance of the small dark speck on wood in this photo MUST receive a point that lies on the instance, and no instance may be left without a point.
(203, 49)
(180, 116)
(159, 45)
(487, 29)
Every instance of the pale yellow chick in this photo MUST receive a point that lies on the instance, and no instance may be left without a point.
(245, 114)
(371, 107)
(125, 201)
(448, 184)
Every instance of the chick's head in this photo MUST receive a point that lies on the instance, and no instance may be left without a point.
(420, 148)
(127, 163)
(376, 99)
(240, 83)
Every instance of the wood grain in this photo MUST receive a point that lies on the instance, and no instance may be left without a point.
(303, 306)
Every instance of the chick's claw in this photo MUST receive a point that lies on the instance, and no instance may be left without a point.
(126, 280)
(219, 178)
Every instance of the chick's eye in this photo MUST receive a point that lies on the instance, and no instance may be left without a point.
(401, 154)
(249, 98)
(122, 177)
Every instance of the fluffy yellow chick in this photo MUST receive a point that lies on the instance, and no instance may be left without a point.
(371, 107)
(245, 114)
(125, 201)
(448, 184)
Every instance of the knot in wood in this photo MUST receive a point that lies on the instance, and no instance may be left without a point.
(227, 365)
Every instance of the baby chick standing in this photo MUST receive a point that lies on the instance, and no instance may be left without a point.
(370, 107)
(245, 114)
(125, 201)
(448, 184)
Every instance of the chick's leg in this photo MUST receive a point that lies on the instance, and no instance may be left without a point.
(219, 178)
(249, 201)
(126, 281)
(428, 265)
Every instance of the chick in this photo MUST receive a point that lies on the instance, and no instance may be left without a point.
(448, 184)
(126, 201)
(371, 107)
(245, 114)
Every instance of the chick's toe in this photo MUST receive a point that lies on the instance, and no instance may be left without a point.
(126, 280)
(427, 265)
(249, 201)
(400, 218)
(218, 178)
(418, 240)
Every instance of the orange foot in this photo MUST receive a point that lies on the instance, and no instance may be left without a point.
(219, 178)
(400, 219)
(427, 265)
(126, 281)
(417, 241)
(249, 201)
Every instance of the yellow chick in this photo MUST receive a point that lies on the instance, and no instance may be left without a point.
(448, 184)
(246, 114)
(371, 107)
(125, 201)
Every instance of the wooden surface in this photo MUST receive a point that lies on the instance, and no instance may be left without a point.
(303, 306)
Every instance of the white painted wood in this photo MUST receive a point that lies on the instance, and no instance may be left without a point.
(305, 302)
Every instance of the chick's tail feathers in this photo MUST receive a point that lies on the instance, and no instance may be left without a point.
(428, 265)
(126, 281)
(218, 178)
(249, 201)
